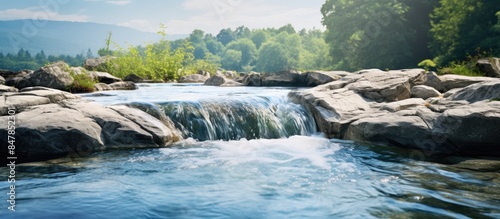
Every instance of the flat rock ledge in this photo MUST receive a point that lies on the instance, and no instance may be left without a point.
(376, 107)
(51, 124)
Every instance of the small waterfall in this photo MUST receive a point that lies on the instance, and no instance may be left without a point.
(234, 119)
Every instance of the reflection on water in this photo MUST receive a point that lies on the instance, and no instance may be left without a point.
(293, 177)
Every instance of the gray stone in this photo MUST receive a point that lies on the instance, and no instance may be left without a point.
(104, 77)
(252, 79)
(53, 131)
(4, 88)
(403, 104)
(124, 85)
(424, 92)
(2, 80)
(478, 92)
(490, 66)
(102, 87)
(216, 80)
(281, 79)
(98, 64)
(56, 75)
(316, 78)
(194, 78)
(134, 78)
(449, 82)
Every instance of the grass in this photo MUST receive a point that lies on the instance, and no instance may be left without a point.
(462, 68)
(82, 83)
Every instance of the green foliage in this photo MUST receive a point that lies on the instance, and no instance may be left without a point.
(427, 64)
(82, 83)
(377, 34)
(459, 27)
(460, 68)
(24, 60)
(232, 59)
(272, 58)
(248, 52)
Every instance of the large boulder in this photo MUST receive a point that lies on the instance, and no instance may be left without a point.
(252, 79)
(445, 83)
(102, 87)
(124, 85)
(478, 92)
(315, 78)
(134, 78)
(490, 66)
(424, 92)
(52, 123)
(98, 64)
(281, 79)
(374, 107)
(194, 78)
(221, 80)
(104, 77)
(56, 75)
(388, 86)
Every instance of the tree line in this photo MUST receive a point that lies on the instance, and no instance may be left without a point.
(401, 33)
(24, 60)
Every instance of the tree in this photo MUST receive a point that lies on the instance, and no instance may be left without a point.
(287, 28)
(89, 54)
(215, 47)
(231, 59)
(373, 34)
(272, 58)
(196, 37)
(242, 32)
(259, 37)
(247, 49)
(459, 27)
(226, 36)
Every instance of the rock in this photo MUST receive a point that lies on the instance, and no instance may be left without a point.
(124, 85)
(252, 79)
(97, 64)
(478, 92)
(2, 80)
(221, 80)
(67, 132)
(163, 132)
(364, 71)
(134, 78)
(387, 86)
(102, 87)
(56, 75)
(313, 79)
(13, 78)
(231, 83)
(104, 77)
(424, 92)
(448, 82)
(490, 66)
(32, 96)
(281, 79)
(374, 107)
(216, 80)
(403, 104)
(194, 78)
(4, 88)
(204, 73)
(230, 74)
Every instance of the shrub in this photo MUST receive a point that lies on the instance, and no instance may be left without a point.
(427, 64)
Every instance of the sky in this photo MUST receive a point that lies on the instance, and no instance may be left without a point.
(179, 16)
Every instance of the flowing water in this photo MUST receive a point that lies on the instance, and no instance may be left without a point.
(248, 153)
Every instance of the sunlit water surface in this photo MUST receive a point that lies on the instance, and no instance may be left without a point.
(290, 177)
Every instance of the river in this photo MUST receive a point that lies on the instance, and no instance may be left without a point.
(249, 153)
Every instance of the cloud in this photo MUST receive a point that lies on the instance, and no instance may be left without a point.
(118, 2)
(214, 15)
(140, 24)
(39, 13)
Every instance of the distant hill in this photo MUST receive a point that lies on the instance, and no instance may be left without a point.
(68, 38)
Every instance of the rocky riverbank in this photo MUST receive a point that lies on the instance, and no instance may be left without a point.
(50, 123)
(407, 109)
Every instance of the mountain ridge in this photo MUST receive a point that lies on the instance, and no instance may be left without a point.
(67, 37)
